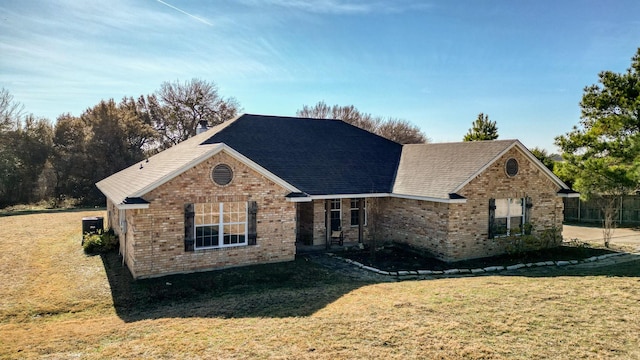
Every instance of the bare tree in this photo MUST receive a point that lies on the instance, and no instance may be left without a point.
(394, 129)
(401, 131)
(609, 207)
(11, 111)
(177, 108)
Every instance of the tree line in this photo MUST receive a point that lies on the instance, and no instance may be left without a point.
(40, 160)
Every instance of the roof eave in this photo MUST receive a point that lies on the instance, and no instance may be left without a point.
(568, 193)
(452, 199)
(449, 200)
(132, 206)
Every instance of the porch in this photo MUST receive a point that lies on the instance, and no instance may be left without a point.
(319, 219)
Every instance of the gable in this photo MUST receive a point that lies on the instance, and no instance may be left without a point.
(437, 170)
(441, 170)
(125, 188)
(497, 180)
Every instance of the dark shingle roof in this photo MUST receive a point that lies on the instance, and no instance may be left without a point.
(316, 156)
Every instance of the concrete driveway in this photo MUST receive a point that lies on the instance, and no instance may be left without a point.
(621, 236)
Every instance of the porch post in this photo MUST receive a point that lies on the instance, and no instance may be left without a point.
(327, 223)
(360, 219)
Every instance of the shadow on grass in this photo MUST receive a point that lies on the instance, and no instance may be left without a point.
(49, 211)
(291, 289)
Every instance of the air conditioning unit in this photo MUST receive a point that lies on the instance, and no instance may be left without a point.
(92, 225)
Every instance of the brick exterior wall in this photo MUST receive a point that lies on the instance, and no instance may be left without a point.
(460, 231)
(155, 236)
(421, 224)
(319, 228)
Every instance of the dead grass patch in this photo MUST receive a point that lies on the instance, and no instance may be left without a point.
(58, 303)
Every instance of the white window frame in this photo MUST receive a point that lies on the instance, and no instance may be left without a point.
(352, 208)
(221, 225)
(509, 216)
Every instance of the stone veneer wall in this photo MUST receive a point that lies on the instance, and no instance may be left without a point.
(156, 234)
(460, 231)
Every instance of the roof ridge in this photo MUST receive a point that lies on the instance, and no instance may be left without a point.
(510, 141)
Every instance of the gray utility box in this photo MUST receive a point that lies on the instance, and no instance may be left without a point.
(91, 225)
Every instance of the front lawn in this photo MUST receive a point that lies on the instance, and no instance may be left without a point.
(58, 303)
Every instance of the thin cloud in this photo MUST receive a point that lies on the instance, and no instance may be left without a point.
(344, 6)
(186, 13)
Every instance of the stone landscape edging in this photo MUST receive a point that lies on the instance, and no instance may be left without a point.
(476, 271)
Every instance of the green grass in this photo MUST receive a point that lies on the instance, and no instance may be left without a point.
(58, 302)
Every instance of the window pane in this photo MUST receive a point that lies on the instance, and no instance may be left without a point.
(206, 236)
(230, 207)
(230, 217)
(355, 214)
(516, 225)
(199, 237)
(242, 216)
(502, 208)
(515, 207)
(500, 226)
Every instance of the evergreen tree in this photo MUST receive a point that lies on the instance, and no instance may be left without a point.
(482, 129)
(603, 154)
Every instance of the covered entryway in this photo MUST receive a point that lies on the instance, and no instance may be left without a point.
(319, 219)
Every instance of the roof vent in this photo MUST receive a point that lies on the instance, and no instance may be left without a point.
(511, 167)
(222, 174)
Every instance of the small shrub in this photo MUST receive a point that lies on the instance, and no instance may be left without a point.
(577, 243)
(103, 241)
(524, 240)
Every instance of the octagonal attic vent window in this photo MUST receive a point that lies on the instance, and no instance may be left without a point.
(222, 174)
(512, 167)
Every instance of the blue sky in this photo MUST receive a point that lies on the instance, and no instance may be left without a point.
(435, 63)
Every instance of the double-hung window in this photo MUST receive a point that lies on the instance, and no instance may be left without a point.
(509, 217)
(355, 212)
(220, 224)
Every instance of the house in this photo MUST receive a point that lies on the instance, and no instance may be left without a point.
(248, 190)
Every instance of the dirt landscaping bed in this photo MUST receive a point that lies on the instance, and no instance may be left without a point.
(401, 257)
